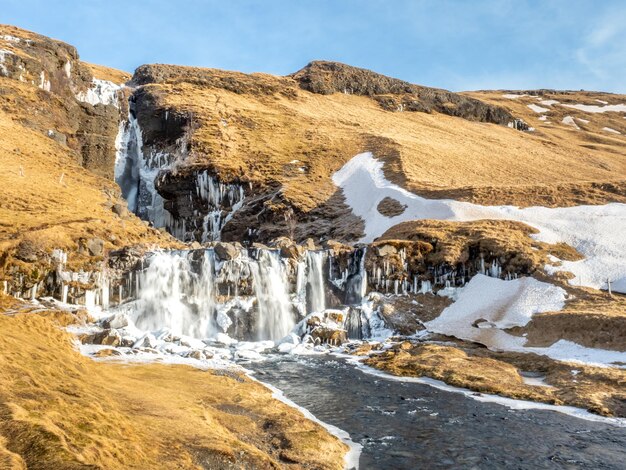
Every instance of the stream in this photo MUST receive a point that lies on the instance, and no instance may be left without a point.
(411, 425)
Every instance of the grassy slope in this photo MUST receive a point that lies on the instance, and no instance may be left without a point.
(61, 410)
(47, 199)
(256, 135)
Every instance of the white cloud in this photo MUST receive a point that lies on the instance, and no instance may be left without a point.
(603, 50)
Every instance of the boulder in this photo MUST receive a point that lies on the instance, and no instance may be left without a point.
(337, 247)
(329, 336)
(282, 242)
(117, 321)
(120, 209)
(146, 341)
(226, 251)
(195, 354)
(292, 251)
(106, 337)
(386, 250)
(95, 246)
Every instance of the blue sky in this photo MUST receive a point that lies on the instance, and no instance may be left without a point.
(459, 45)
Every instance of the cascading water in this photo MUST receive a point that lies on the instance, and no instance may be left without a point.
(173, 296)
(136, 173)
(275, 317)
(212, 203)
(356, 282)
(315, 287)
(191, 293)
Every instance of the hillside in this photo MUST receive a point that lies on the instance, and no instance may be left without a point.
(162, 230)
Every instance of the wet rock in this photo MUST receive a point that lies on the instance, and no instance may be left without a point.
(108, 353)
(226, 251)
(337, 247)
(126, 259)
(117, 321)
(387, 309)
(282, 242)
(128, 341)
(196, 354)
(106, 337)
(292, 252)
(95, 246)
(325, 335)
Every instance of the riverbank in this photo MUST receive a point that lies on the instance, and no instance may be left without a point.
(62, 410)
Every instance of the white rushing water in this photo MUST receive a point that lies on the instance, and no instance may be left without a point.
(275, 313)
(315, 281)
(172, 296)
(192, 293)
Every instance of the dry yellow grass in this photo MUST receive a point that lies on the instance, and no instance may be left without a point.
(61, 410)
(47, 199)
(256, 134)
(102, 72)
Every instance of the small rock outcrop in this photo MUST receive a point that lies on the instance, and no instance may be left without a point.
(393, 94)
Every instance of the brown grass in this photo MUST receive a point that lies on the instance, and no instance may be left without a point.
(61, 410)
(107, 73)
(600, 390)
(47, 199)
(256, 132)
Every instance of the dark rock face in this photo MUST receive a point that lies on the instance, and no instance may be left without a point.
(395, 95)
(235, 82)
(55, 67)
(160, 127)
(97, 130)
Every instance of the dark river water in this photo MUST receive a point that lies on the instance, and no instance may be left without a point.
(414, 426)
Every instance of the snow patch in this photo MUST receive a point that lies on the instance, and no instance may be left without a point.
(594, 108)
(569, 121)
(612, 131)
(3, 57)
(538, 109)
(487, 306)
(597, 232)
(548, 102)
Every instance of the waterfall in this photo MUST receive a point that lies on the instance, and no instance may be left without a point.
(172, 296)
(315, 281)
(356, 282)
(136, 173)
(275, 313)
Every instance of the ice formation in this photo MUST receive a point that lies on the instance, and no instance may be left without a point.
(100, 92)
